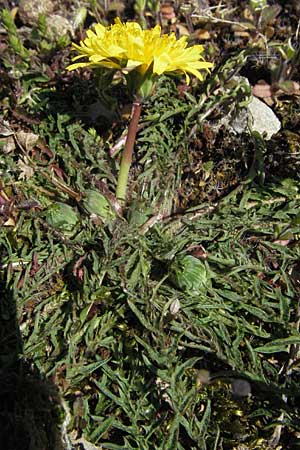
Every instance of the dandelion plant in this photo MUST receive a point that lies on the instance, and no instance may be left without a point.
(142, 56)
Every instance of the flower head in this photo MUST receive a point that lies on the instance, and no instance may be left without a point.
(125, 46)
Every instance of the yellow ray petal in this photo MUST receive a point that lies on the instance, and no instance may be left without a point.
(127, 46)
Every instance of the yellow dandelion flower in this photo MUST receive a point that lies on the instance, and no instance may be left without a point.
(142, 55)
(127, 47)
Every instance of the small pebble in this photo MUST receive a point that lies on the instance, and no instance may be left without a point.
(240, 388)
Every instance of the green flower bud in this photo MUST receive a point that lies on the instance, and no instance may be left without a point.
(190, 274)
(63, 217)
(95, 203)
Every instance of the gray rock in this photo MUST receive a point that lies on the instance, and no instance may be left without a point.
(29, 10)
(257, 116)
(239, 123)
(58, 25)
(263, 118)
(240, 388)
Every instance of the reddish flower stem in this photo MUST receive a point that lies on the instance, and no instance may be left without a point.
(128, 152)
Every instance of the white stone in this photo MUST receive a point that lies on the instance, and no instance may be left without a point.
(29, 10)
(263, 118)
(58, 25)
(257, 116)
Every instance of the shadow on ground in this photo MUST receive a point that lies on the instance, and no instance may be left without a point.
(29, 405)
